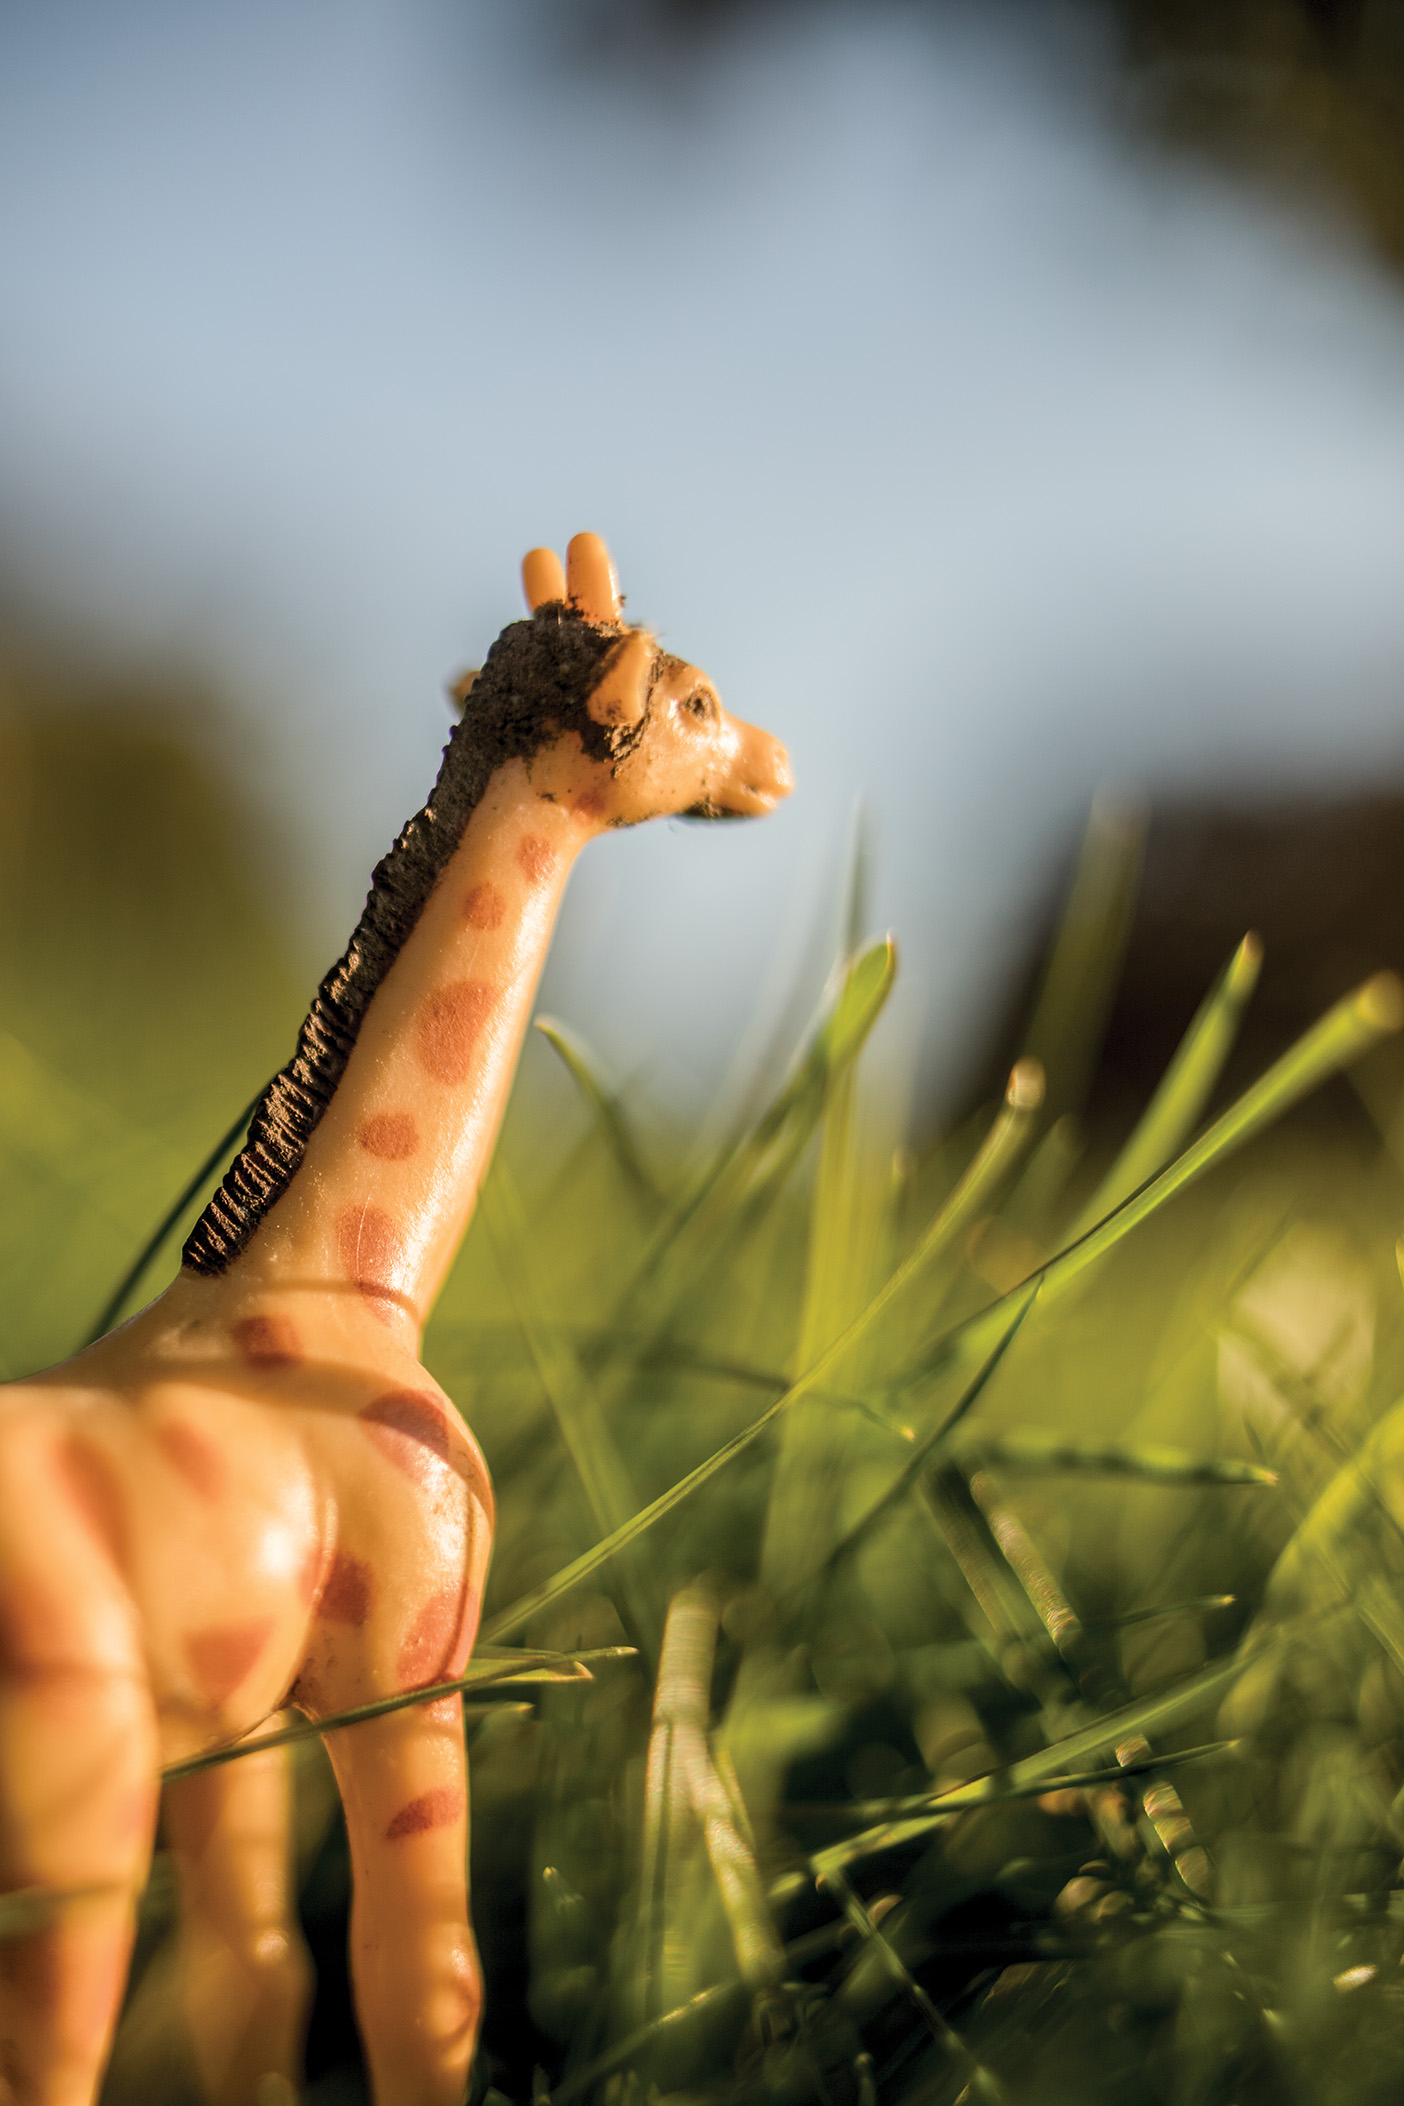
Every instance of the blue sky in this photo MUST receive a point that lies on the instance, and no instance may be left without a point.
(984, 454)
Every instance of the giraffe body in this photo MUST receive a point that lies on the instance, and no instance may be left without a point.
(253, 1494)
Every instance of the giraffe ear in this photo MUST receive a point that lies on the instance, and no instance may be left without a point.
(620, 697)
(459, 690)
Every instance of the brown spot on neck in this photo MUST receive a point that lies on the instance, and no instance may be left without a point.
(448, 1025)
(484, 907)
(267, 1341)
(392, 1135)
(370, 1246)
(536, 857)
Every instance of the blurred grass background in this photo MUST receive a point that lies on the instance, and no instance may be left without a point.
(987, 1537)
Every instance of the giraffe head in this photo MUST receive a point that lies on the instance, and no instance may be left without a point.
(658, 742)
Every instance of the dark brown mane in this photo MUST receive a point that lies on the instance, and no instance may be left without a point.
(534, 686)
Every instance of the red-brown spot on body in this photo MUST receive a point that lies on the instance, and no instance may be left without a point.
(197, 1459)
(448, 1025)
(91, 1487)
(223, 1654)
(435, 1640)
(408, 1427)
(346, 1597)
(393, 1136)
(484, 907)
(536, 857)
(590, 805)
(370, 1245)
(267, 1341)
(439, 1808)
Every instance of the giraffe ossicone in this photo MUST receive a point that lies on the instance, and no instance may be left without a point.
(253, 1494)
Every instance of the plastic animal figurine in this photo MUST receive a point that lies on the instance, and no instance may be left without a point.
(252, 1495)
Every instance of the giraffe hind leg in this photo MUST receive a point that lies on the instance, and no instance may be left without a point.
(246, 1978)
(78, 1766)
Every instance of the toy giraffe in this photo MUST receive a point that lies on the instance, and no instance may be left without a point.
(252, 1495)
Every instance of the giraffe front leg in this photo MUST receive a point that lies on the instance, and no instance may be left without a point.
(414, 1966)
(246, 1979)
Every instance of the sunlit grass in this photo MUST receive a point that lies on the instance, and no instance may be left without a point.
(937, 1733)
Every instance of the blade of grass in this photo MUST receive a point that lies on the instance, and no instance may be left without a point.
(480, 1675)
(117, 1300)
(1186, 1087)
(1065, 1031)
(881, 1810)
(1033, 1201)
(587, 1437)
(1194, 1607)
(1046, 1452)
(923, 1453)
(604, 1104)
(765, 1154)
(684, 1702)
(977, 2079)
(843, 1237)
(25, 1910)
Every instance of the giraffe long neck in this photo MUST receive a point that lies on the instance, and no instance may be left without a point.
(387, 1183)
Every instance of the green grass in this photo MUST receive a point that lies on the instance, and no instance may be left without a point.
(942, 1732)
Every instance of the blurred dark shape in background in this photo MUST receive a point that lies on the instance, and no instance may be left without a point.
(1321, 882)
(1307, 92)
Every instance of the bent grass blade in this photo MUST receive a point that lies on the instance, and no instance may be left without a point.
(482, 1674)
(1358, 1021)
(1065, 1031)
(1046, 1454)
(1186, 1087)
(766, 1153)
(604, 1104)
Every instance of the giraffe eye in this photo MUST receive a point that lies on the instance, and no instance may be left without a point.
(700, 704)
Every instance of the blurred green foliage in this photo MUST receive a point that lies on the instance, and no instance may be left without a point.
(144, 992)
(967, 1747)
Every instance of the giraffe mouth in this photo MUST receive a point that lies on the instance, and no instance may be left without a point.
(708, 810)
